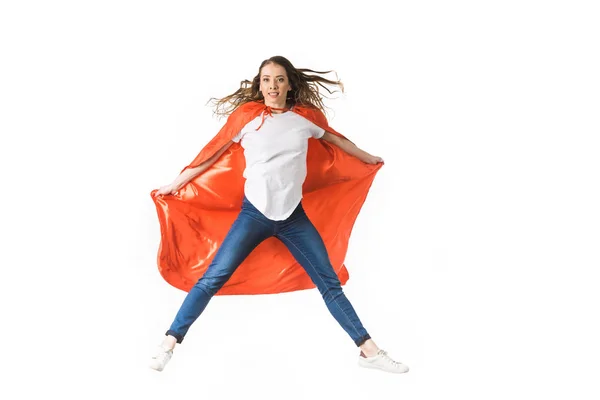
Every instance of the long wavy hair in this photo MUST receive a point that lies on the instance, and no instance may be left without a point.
(305, 90)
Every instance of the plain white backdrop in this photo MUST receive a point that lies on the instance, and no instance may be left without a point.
(474, 258)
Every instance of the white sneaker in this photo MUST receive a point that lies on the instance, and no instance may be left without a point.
(162, 357)
(382, 361)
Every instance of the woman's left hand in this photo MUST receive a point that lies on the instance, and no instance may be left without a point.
(369, 159)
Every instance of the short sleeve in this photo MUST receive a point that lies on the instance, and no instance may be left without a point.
(317, 132)
(237, 137)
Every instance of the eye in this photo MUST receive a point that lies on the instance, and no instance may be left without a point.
(281, 79)
(265, 79)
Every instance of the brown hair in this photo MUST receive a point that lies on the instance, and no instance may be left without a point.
(305, 90)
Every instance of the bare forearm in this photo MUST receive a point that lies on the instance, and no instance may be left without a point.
(188, 175)
(351, 148)
(191, 173)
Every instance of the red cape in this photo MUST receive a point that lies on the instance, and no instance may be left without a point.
(194, 222)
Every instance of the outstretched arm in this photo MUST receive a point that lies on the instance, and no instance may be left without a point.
(351, 148)
(190, 173)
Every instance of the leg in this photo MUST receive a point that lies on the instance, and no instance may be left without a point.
(246, 233)
(305, 243)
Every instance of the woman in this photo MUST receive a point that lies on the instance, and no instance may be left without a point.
(275, 134)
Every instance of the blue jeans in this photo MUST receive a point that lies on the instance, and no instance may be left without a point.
(300, 236)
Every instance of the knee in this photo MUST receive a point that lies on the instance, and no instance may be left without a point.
(210, 286)
(331, 291)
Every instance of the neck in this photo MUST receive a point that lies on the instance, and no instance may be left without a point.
(276, 105)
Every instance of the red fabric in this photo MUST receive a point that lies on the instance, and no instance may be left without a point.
(194, 222)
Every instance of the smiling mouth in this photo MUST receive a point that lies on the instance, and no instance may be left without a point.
(273, 94)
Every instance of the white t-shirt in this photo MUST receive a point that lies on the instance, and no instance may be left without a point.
(276, 161)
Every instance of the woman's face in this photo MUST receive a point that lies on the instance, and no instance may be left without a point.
(274, 85)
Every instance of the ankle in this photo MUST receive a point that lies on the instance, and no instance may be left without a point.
(169, 342)
(369, 349)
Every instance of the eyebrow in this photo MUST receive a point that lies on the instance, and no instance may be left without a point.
(276, 76)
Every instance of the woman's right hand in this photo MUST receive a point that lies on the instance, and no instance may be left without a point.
(165, 190)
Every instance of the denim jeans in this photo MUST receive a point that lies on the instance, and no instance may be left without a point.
(300, 236)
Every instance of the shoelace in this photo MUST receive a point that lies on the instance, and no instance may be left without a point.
(388, 358)
(161, 355)
(267, 111)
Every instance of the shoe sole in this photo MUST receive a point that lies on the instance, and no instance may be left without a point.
(371, 366)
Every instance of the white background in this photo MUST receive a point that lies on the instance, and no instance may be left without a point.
(473, 260)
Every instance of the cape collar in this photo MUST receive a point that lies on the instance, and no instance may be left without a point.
(267, 111)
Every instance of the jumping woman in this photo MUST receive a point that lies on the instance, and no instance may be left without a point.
(277, 120)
